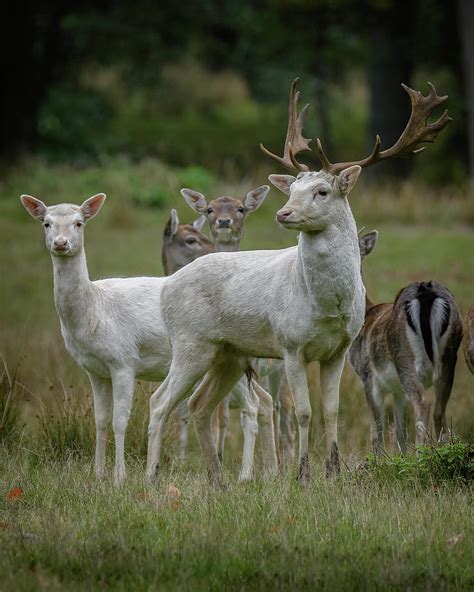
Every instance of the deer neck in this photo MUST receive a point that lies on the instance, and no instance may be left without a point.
(73, 290)
(329, 260)
(228, 247)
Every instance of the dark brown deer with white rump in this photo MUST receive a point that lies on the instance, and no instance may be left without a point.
(404, 348)
(301, 304)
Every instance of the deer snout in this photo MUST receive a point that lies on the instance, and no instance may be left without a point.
(60, 243)
(223, 222)
(282, 215)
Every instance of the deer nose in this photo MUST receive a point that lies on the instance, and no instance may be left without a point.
(283, 215)
(224, 222)
(60, 242)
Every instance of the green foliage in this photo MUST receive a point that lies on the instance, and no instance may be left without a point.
(9, 406)
(430, 465)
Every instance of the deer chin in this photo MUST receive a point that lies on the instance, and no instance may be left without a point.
(224, 234)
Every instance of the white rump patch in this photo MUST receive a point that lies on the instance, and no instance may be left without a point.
(439, 314)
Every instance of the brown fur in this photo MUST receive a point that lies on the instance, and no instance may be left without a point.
(468, 340)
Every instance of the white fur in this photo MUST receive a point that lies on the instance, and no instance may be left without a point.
(301, 304)
(112, 328)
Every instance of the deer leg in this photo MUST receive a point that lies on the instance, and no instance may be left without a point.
(267, 434)
(296, 374)
(217, 383)
(443, 385)
(287, 423)
(375, 400)
(330, 378)
(183, 418)
(223, 413)
(421, 405)
(176, 386)
(399, 407)
(248, 404)
(123, 382)
(102, 391)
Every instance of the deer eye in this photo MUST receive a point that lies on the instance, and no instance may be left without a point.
(190, 241)
(321, 192)
(46, 224)
(209, 210)
(241, 210)
(78, 224)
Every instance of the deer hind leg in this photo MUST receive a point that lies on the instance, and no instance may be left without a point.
(102, 391)
(443, 385)
(330, 380)
(375, 400)
(420, 400)
(287, 425)
(295, 368)
(266, 428)
(399, 409)
(223, 413)
(217, 383)
(183, 421)
(181, 378)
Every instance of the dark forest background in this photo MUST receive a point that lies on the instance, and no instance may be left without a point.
(204, 82)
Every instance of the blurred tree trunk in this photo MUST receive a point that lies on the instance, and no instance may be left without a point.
(391, 63)
(466, 29)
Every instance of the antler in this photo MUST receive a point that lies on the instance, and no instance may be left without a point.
(294, 142)
(416, 132)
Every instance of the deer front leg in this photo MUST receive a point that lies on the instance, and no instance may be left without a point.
(248, 403)
(102, 391)
(375, 400)
(223, 413)
(330, 378)
(123, 387)
(266, 428)
(295, 368)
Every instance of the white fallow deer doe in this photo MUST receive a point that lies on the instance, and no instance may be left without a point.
(111, 327)
(468, 339)
(301, 304)
(403, 348)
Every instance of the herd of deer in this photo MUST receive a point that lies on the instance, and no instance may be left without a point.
(238, 329)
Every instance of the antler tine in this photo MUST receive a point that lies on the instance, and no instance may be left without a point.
(294, 142)
(417, 131)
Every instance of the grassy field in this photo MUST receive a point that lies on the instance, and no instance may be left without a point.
(357, 532)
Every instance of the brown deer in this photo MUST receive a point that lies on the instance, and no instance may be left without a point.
(468, 340)
(183, 243)
(301, 304)
(403, 348)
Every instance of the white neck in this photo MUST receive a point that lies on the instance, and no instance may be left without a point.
(330, 257)
(73, 291)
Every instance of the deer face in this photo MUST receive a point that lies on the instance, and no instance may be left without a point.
(226, 215)
(63, 224)
(315, 198)
(183, 243)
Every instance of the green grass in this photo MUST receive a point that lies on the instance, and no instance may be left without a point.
(361, 531)
(357, 533)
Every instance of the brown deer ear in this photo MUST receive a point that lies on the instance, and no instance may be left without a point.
(195, 199)
(347, 178)
(34, 207)
(199, 223)
(282, 182)
(254, 198)
(367, 243)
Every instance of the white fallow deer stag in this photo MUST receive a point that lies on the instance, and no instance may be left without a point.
(111, 327)
(301, 304)
(468, 339)
(403, 348)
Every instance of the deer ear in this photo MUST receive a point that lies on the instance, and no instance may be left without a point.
(34, 207)
(174, 222)
(254, 198)
(91, 206)
(367, 243)
(347, 178)
(195, 199)
(199, 223)
(282, 182)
